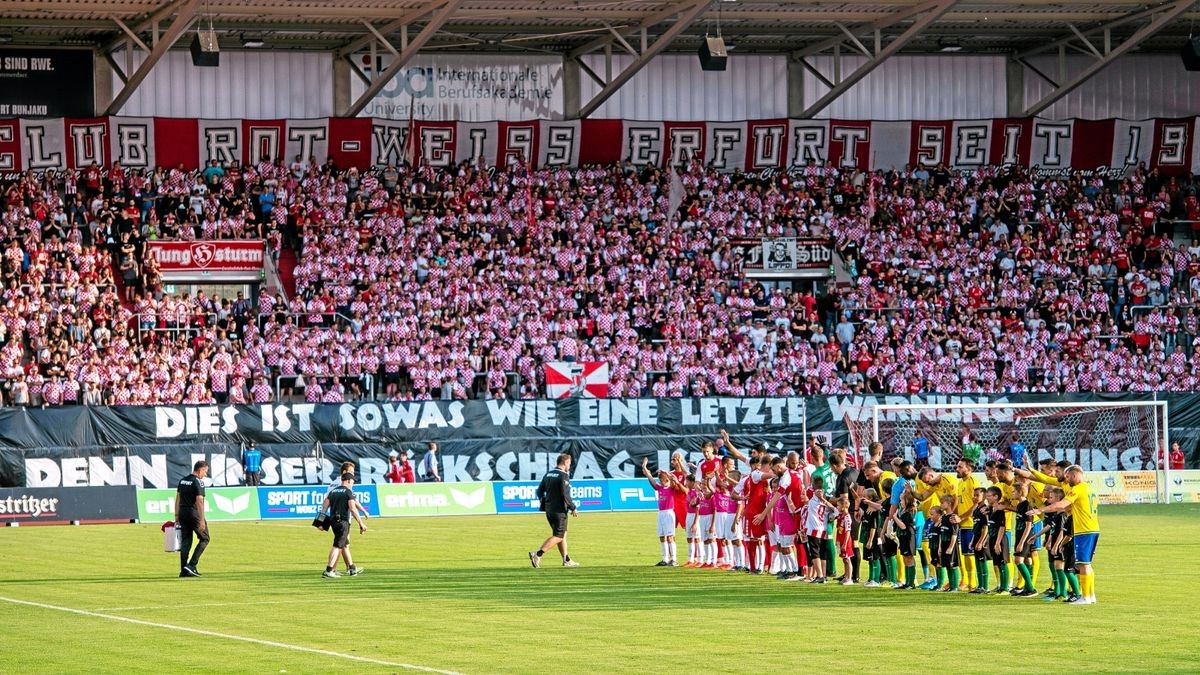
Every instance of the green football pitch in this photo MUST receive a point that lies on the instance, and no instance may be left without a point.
(458, 595)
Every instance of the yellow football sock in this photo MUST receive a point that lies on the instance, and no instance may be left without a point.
(1033, 568)
(1018, 581)
(968, 565)
(1087, 584)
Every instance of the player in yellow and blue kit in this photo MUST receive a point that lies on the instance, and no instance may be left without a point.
(1080, 502)
(964, 509)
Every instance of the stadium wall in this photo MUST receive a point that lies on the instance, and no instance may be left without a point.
(914, 87)
(672, 87)
(260, 85)
(1147, 85)
(152, 447)
(294, 84)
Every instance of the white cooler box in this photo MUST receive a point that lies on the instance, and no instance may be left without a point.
(171, 540)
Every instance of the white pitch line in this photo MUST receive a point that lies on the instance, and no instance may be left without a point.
(361, 598)
(227, 636)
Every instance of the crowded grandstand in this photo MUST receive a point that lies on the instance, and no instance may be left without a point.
(424, 283)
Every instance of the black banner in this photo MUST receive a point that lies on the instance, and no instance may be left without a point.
(786, 254)
(302, 443)
(57, 505)
(46, 82)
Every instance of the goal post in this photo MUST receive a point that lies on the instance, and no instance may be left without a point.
(1098, 435)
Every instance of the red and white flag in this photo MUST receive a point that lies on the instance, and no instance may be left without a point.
(675, 194)
(871, 197)
(580, 379)
(411, 152)
(530, 216)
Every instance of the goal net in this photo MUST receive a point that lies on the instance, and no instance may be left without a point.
(1098, 436)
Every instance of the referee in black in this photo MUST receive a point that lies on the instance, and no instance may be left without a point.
(554, 495)
(341, 505)
(189, 518)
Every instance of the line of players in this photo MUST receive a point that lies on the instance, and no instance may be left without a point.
(796, 518)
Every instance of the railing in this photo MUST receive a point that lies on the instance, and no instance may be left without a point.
(371, 391)
(272, 272)
(329, 319)
(367, 378)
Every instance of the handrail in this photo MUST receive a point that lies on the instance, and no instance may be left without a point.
(368, 377)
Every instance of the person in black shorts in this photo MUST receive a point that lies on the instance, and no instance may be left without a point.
(870, 536)
(1024, 538)
(998, 539)
(890, 543)
(554, 497)
(189, 518)
(933, 560)
(947, 534)
(341, 506)
(1052, 528)
(904, 521)
(1060, 548)
(983, 549)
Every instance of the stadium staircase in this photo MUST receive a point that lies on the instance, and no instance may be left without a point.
(119, 282)
(287, 271)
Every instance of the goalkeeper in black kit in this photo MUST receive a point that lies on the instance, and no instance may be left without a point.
(554, 497)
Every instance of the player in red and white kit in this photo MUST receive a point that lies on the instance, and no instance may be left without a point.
(817, 516)
(783, 509)
(692, 524)
(710, 466)
(757, 491)
(704, 510)
(679, 471)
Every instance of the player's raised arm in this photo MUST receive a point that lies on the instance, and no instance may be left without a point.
(737, 454)
(646, 472)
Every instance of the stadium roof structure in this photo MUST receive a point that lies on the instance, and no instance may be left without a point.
(874, 29)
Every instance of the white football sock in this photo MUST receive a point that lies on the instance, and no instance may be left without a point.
(671, 550)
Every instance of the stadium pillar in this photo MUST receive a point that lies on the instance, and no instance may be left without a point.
(1014, 83)
(341, 83)
(795, 87)
(102, 75)
(571, 88)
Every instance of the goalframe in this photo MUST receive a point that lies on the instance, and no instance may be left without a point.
(1160, 430)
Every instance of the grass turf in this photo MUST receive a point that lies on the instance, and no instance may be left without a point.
(458, 594)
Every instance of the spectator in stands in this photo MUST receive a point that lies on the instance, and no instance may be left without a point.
(979, 281)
